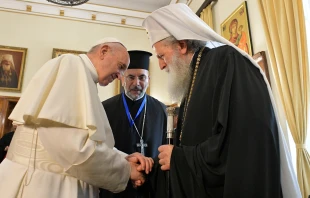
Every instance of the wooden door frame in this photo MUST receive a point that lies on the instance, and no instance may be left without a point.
(4, 112)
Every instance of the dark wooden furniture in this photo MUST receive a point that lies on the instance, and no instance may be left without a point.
(7, 104)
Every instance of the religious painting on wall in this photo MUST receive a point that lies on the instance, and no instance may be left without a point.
(236, 29)
(12, 62)
(58, 52)
(261, 60)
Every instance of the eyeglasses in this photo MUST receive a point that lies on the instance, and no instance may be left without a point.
(131, 78)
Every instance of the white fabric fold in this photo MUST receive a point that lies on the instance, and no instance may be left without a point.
(65, 96)
(61, 107)
(31, 163)
(90, 161)
(66, 145)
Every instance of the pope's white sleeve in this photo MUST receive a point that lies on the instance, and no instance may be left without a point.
(90, 161)
(121, 152)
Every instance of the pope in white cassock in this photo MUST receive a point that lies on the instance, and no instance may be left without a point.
(63, 144)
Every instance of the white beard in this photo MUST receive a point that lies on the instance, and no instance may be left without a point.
(179, 78)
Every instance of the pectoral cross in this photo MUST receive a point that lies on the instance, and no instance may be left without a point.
(142, 145)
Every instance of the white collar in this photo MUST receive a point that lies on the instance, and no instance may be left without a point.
(90, 66)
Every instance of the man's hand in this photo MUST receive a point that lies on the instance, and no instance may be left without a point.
(144, 163)
(165, 156)
(136, 177)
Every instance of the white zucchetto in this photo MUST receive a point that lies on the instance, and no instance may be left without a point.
(107, 40)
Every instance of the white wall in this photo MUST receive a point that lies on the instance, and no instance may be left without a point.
(196, 4)
(41, 34)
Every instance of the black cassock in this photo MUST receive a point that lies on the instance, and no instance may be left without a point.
(230, 145)
(126, 137)
(4, 142)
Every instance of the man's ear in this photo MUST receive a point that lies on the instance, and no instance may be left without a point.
(103, 51)
(183, 46)
(123, 81)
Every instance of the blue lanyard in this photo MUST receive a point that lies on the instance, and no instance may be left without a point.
(127, 110)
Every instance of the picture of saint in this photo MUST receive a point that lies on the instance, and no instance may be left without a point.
(236, 29)
(238, 36)
(12, 62)
(8, 75)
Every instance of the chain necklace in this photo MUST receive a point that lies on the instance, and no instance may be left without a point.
(189, 95)
(141, 144)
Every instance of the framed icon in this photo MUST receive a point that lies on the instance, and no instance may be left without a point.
(12, 62)
(236, 29)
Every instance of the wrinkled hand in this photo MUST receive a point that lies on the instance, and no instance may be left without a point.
(137, 178)
(165, 156)
(144, 163)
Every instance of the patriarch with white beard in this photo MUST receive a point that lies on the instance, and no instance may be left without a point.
(230, 141)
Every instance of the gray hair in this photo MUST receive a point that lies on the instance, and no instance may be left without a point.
(7, 57)
(192, 45)
(94, 48)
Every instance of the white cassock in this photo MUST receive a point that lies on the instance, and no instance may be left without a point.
(63, 145)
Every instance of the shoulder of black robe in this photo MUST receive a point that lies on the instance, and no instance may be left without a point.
(110, 104)
(158, 103)
(230, 145)
(155, 129)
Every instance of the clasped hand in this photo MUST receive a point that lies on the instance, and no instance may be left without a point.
(139, 164)
(165, 156)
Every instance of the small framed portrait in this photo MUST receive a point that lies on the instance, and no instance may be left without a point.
(236, 29)
(57, 52)
(12, 63)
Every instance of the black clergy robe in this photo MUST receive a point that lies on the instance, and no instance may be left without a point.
(4, 142)
(230, 145)
(126, 137)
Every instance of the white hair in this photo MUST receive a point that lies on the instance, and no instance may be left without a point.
(8, 57)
